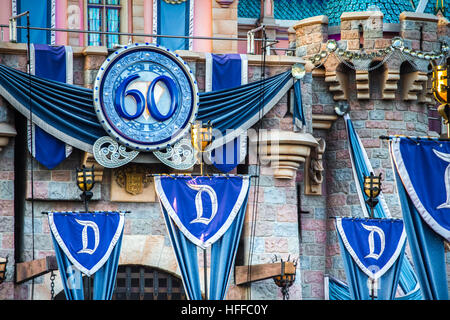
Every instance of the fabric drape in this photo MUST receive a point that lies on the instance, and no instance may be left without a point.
(54, 63)
(186, 255)
(226, 71)
(223, 254)
(71, 277)
(359, 287)
(223, 200)
(427, 250)
(105, 277)
(173, 20)
(338, 290)
(66, 111)
(90, 244)
(63, 110)
(40, 16)
(362, 167)
(298, 114)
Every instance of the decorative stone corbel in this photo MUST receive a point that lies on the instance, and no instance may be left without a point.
(337, 84)
(313, 172)
(413, 84)
(362, 84)
(426, 95)
(323, 121)
(88, 160)
(389, 83)
(285, 150)
(7, 131)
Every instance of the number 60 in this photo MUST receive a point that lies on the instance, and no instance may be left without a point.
(122, 92)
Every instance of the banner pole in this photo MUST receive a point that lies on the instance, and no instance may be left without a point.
(205, 273)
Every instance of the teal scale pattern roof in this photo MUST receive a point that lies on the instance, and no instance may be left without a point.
(431, 7)
(301, 9)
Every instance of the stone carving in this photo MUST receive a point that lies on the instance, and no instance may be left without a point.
(314, 169)
(73, 17)
(285, 151)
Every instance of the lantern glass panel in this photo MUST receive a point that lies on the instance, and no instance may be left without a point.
(440, 83)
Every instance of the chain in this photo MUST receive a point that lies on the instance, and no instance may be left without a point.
(52, 285)
(386, 58)
(323, 62)
(362, 64)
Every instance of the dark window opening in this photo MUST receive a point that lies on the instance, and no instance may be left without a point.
(135, 282)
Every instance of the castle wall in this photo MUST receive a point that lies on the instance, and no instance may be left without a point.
(145, 242)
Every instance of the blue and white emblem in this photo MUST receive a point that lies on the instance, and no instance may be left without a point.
(374, 244)
(203, 208)
(87, 239)
(145, 97)
(424, 169)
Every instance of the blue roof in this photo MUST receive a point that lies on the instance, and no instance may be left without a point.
(301, 9)
(431, 7)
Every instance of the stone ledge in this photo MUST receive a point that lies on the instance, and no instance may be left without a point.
(418, 16)
(272, 60)
(361, 15)
(95, 51)
(21, 48)
(7, 131)
(312, 20)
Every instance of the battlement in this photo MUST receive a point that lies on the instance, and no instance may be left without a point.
(399, 55)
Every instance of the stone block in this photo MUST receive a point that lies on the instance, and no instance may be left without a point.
(285, 229)
(349, 34)
(376, 115)
(274, 196)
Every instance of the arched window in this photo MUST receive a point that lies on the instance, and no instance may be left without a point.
(137, 282)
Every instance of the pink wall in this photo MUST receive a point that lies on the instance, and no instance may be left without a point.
(202, 25)
(148, 19)
(61, 21)
(5, 14)
(82, 35)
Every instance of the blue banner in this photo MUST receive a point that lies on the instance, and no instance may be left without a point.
(54, 63)
(225, 71)
(424, 169)
(199, 212)
(374, 244)
(40, 16)
(173, 20)
(87, 239)
(203, 208)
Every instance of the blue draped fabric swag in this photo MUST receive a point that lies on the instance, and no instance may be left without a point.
(54, 63)
(298, 114)
(66, 111)
(362, 167)
(372, 251)
(225, 71)
(90, 244)
(422, 174)
(203, 212)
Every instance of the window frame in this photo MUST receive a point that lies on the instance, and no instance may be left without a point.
(103, 27)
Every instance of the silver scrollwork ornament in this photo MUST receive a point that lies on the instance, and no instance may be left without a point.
(180, 156)
(110, 154)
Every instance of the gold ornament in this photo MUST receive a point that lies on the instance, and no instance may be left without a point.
(133, 178)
